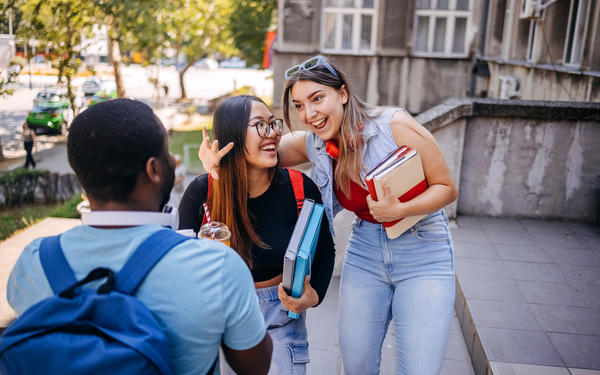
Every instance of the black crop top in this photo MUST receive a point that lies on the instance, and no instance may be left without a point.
(273, 215)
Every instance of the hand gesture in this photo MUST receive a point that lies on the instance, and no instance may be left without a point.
(308, 299)
(387, 208)
(210, 155)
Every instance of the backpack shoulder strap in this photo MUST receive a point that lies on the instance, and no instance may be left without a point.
(144, 258)
(208, 195)
(56, 268)
(298, 186)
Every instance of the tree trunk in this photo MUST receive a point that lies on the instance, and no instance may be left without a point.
(114, 53)
(181, 83)
(182, 86)
(1, 152)
(71, 95)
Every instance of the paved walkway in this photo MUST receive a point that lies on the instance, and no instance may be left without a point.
(528, 299)
(325, 357)
(11, 248)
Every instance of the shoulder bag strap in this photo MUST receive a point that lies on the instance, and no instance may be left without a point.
(55, 265)
(298, 186)
(144, 258)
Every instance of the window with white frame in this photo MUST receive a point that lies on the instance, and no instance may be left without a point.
(576, 32)
(442, 27)
(350, 26)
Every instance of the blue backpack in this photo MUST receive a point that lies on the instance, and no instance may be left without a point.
(84, 331)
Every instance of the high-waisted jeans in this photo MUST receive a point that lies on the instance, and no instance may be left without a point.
(290, 345)
(409, 280)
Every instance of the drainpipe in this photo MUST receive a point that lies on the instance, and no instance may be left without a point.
(481, 52)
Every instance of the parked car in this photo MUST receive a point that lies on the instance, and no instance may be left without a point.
(234, 62)
(91, 85)
(51, 112)
(207, 63)
(107, 91)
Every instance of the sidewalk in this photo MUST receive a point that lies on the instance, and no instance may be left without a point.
(325, 357)
(53, 159)
(528, 299)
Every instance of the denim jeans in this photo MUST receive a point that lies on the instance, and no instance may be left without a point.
(409, 280)
(290, 347)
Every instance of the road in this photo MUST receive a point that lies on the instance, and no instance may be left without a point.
(201, 84)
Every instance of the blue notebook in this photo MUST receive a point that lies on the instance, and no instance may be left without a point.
(289, 259)
(306, 253)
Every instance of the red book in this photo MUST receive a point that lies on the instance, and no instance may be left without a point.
(406, 180)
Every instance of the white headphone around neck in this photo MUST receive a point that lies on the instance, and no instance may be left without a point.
(168, 218)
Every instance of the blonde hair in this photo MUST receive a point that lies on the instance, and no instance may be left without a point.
(356, 113)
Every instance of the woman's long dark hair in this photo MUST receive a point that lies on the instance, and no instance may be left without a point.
(229, 197)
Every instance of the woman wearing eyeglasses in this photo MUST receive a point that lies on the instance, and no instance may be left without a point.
(408, 280)
(256, 199)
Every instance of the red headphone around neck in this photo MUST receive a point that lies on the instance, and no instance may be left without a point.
(332, 149)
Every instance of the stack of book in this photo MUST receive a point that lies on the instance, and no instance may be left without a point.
(403, 172)
(301, 249)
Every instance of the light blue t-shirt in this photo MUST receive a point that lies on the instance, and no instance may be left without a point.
(201, 291)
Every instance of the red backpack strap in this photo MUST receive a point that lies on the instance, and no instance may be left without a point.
(208, 195)
(298, 186)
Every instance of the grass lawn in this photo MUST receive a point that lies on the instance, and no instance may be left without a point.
(15, 219)
(186, 144)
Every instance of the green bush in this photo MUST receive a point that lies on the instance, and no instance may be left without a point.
(18, 186)
(67, 209)
(18, 218)
(15, 219)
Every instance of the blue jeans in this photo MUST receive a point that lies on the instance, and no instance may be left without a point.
(290, 347)
(409, 279)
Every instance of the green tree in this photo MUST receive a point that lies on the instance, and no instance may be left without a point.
(195, 29)
(129, 22)
(60, 23)
(250, 21)
(9, 11)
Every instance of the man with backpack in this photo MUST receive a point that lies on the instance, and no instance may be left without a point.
(148, 300)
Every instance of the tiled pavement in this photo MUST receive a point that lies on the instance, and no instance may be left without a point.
(528, 302)
(324, 349)
(529, 295)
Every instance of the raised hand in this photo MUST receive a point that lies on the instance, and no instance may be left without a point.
(210, 155)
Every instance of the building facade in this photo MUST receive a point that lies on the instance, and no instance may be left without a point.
(417, 53)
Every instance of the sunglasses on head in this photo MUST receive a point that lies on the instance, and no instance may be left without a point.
(310, 64)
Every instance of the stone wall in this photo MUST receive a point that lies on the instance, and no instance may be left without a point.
(53, 187)
(521, 158)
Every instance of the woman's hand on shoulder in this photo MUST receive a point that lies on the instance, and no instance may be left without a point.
(210, 155)
(309, 298)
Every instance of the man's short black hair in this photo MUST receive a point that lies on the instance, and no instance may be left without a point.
(108, 146)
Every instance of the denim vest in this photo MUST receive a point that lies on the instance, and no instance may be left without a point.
(378, 143)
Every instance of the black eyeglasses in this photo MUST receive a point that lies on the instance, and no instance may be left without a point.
(263, 127)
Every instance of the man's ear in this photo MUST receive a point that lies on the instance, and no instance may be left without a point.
(153, 169)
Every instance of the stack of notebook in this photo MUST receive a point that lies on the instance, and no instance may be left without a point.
(301, 249)
(403, 172)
